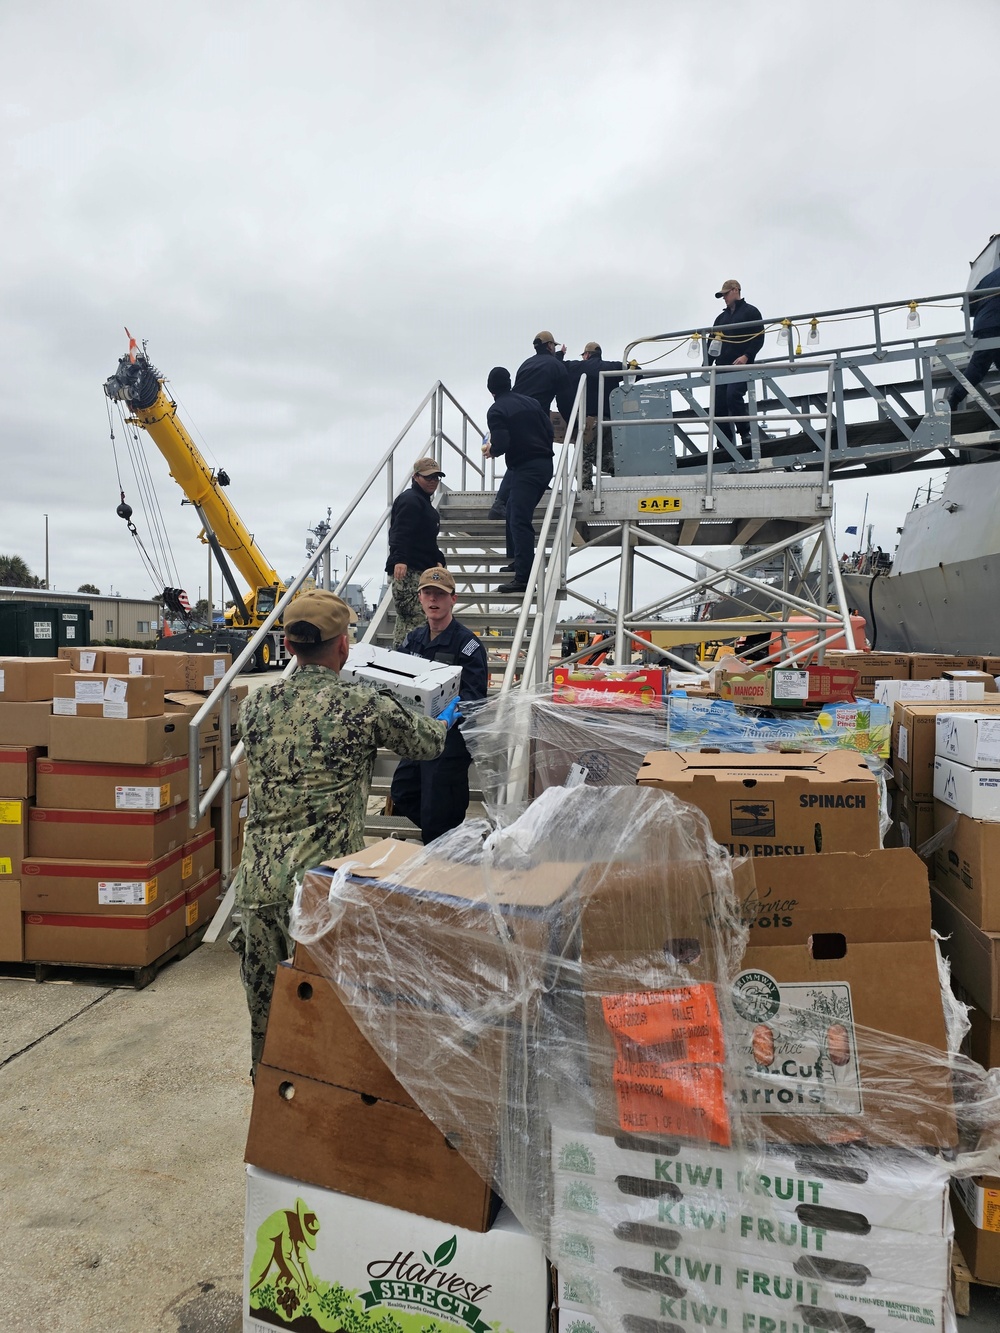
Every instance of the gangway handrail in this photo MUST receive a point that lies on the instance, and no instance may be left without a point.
(874, 309)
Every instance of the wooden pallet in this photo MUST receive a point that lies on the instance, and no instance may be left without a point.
(111, 974)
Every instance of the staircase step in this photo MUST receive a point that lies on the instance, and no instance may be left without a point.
(387, 826)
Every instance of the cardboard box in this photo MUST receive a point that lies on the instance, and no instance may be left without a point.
(202, 901)
(914, 738)
(17, 771)
(967, 865)
(931, 666)
(871, 667)
(67, 785)
(171, 667)
(893, 1191)
(608, 743)
(26, 724)
(789, 687)
(142, 740)
(13, 836)
(118, 941)
(372, 1149)
(239, 787)
(991, 665)
(107, 835)
(982, 1041)
(29, 679)
(83, 659)
(97, 695)
(115, 887)
(977, 1226)
(915, 821)
(971, 791)
(496, 1280)
(984, 678)
(974, 954)
(927, 691)
(311, 1032)
(198, 859)
(972, 739)
(790, 804)
(205, 670)
(11, 930)
(646, 687)
(426, 686)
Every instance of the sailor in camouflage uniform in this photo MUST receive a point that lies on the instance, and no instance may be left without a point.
(311, 743)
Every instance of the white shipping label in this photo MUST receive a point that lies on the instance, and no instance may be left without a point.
(64, 707)
(988, 741)
(244, 807)
(140, 798)
(70, 631)
(88, 661)
(88, 691)
(135, 666)
(43, 630)
(903, 744)
(126, 892)
(791, 685)
(115, 691)
(796, 1047)
(219, 667)
(3, 681)
(208, 683)
(114, 710)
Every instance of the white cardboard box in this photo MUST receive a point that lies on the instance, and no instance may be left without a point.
(972, 739)
(971, 791)
(425, 686)
(928, 691)
(899, 1191)
(748, 1227)
(310, 1253)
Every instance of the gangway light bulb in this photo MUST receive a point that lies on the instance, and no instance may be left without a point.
(694, 346)
(783, 328)
(813, 339)
(912, 317)
(715, 346)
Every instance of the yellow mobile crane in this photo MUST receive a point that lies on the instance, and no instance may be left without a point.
(139, 386)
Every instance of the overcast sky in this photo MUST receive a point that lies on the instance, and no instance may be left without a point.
(312, 211)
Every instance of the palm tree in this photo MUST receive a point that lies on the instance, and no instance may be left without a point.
(14, 573)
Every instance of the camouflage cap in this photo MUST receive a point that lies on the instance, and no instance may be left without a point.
(427, 467)
(436, 577)
(323, 610)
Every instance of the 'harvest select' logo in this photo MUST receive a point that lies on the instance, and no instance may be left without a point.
(752, 819)
(401, 1281)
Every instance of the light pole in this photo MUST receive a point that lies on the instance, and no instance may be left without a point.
(46, 551)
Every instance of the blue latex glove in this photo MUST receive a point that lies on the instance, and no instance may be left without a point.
(451, 713)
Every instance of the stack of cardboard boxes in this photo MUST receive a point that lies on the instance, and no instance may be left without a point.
(100, 859)
(410, 1231)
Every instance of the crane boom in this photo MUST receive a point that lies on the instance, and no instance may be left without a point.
(140, 386)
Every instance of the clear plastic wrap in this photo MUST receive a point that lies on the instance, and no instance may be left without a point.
(579, 1001)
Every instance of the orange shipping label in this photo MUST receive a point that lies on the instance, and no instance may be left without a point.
(991, 1210)
(191, 913)
(681, 1023)
(10, 812)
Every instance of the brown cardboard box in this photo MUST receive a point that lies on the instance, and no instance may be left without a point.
(65, 784)
(871, 667)
(982, 1041)
(202, 901)
(11, 930)
(171, 667)
(94, 694)
(915, 821)
(205, 670)
(984, 678)
(14, 817)
(239, 785)
(239, 809)
(608, 742)
(29, 679)
(974, 954)
(977, 1225)
(992, 665)
(83, 659)
(208, 763)
(311, 1032)
(913, 740)
(199, 858)
(107, 835)
(123, 941)
(931, 666)
(378, 1150)
(967, 865)
(26, 724)
(104, 740)
(17, 771)
(116, 887)
(775, 804)
(801, 686)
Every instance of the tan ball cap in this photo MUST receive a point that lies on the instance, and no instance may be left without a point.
(427, 467)
(324, 610)
(728, 286)
(436, 577)
(544, 337)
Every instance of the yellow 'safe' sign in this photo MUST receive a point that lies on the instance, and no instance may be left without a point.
(659, 504)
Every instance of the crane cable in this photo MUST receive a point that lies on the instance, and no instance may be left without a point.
(124, 511)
